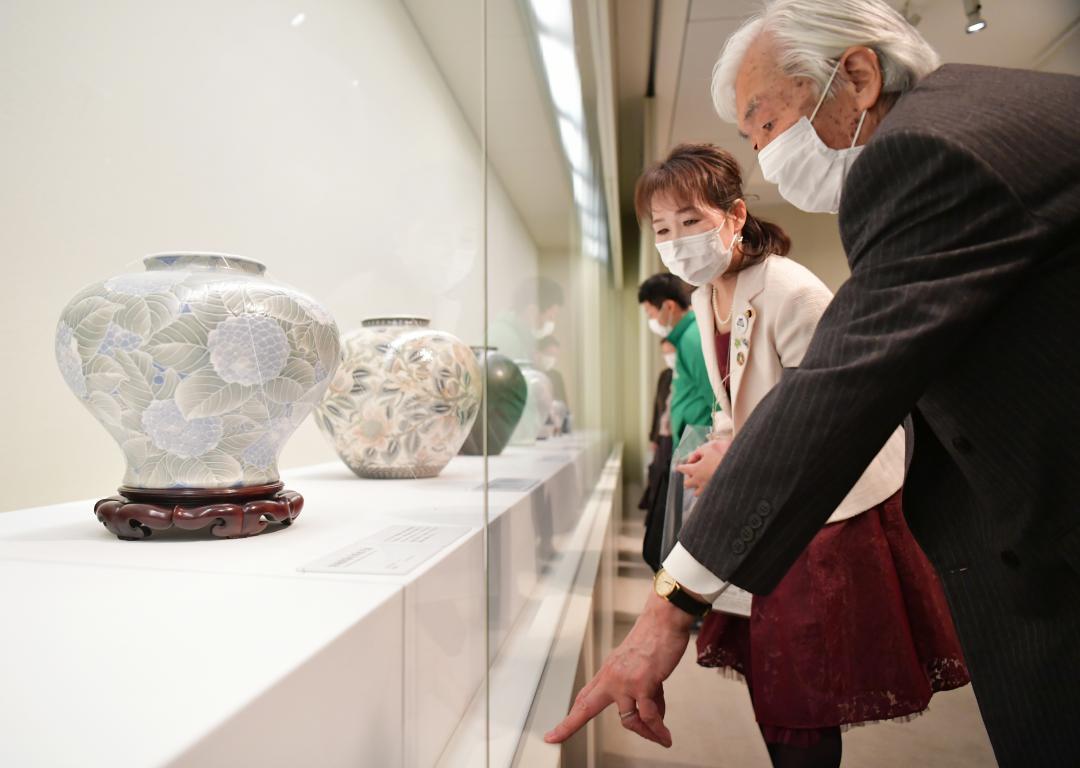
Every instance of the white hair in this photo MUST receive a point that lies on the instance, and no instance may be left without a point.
(810, 36)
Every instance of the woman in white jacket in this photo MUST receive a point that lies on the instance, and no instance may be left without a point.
(858, 630)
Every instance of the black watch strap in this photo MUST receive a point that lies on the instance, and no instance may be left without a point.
(691, 605)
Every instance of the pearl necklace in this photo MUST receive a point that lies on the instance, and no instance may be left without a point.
(716, 309)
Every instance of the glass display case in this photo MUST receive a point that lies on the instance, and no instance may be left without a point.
(356, 252)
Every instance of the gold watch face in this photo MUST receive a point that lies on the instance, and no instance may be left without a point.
(664, 584)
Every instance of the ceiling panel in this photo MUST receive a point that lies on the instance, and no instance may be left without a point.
(1015, 36)
(695, 120)
(633, 30)
(704, 10)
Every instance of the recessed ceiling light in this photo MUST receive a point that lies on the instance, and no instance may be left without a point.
(973, 11)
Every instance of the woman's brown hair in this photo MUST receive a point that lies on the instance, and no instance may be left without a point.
(704, 174)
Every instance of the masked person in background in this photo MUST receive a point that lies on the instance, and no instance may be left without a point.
(654, 498)
(665, 299)
(537, 302)
(858, 629)
(547, 360)
(958, 189)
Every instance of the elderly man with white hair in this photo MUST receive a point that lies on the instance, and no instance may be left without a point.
(958, 189)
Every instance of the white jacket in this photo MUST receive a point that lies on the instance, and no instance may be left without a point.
(775, 309)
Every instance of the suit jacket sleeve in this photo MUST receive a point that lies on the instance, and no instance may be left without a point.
(935, 241)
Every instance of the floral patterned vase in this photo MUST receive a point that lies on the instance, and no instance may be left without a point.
(404, 400)
(534, 421)
(200, 368)
(507, 393)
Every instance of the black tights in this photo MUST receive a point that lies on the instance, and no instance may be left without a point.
(824, 754)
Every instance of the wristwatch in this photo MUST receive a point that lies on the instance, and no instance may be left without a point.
(665, 585)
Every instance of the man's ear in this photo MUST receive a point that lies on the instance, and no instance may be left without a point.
(863, 72)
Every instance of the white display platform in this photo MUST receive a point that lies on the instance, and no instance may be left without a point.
(250, 657)
(98, 669)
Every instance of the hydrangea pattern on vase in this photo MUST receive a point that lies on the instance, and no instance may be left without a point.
(170, 431)
(404, 400)
(249, 349)
(200, 368)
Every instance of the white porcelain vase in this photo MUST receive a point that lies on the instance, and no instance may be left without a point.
(535, 421)
(404, 400)
(200, 367)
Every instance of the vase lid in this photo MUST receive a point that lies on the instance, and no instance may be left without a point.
(422, 322)
(202, 260)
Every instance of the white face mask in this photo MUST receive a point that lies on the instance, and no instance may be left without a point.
(661, 330)
(544, 330)
(809, 173)
(669, 359)
(657, 326)
(547, 362)
(697, 259)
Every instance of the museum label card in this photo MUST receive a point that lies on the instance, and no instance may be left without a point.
(558, 457)
(390, 552)
(519, 484)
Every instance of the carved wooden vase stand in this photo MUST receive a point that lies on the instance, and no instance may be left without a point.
(228, 512)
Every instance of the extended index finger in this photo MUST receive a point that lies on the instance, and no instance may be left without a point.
(585, 709)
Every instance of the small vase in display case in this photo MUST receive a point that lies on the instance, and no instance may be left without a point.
(201, 368)
(507, 393)
(534, 420)
(403, 401)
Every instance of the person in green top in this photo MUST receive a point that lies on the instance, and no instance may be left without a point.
(665, 299)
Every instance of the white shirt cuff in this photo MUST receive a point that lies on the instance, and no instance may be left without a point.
(693, 575)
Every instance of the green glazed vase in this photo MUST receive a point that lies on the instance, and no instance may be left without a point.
(507, 394)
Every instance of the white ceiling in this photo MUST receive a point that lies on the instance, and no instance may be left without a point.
(633, 37)
(1018, 34)
(708, 25)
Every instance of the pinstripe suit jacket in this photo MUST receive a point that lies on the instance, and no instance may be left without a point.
(961, 224)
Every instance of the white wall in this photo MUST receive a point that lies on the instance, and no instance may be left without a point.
(815, 241)
(327, 147)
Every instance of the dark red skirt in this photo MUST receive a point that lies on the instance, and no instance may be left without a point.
(858, 630)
